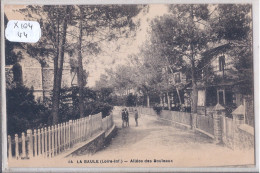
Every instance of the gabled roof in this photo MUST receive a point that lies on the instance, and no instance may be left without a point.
(238, 111)
(208, 55)
(218, 107)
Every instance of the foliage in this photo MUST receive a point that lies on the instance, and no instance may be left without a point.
(60, 24)
(95, 101)
(23, 112)
(97, 107)
(158, 109)
(131, 100)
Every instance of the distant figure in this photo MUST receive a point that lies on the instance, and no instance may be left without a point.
(123, 117)
(126, 117)
(136, 117)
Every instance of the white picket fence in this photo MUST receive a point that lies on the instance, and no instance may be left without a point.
(53, 140)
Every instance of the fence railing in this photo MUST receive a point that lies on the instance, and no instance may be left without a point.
(53, 140)
(232, 134)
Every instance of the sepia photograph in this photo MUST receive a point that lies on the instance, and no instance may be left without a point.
(164, 85)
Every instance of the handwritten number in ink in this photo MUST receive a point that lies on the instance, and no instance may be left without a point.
(30, 25)
(25, 34)
(19, 34)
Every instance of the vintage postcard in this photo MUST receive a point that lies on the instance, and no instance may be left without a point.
(165, 86)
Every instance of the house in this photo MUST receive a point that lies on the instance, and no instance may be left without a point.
(220, 84)
(22, 68)
(178, 95)
(32, 75)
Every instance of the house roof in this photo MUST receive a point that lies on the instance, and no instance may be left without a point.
(218, 107)
(208, 55)
(238, 111)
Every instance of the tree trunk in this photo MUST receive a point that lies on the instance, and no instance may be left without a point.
(205, 102)
(58, 67)
(148, 101)
(164, 100)
(179, 95)
(194, 83)
(194, 89)
(80, 70)
(43, 91)
(169, 101)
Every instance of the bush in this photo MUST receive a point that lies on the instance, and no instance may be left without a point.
(23, 112)
(96, 107)
(157, 109)
(131, 100)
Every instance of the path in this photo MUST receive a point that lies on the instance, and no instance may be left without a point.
(154, 139)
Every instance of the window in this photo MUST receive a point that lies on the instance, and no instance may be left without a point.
(221, 97)
(221, 63)
(177, 77)
(201, 97)
(18, 73)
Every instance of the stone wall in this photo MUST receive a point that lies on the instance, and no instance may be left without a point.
(91, 147)
(244, 137)
(249, 106)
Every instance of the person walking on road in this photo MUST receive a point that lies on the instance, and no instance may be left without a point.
(123, 117)
(127, 117)
(136, 117)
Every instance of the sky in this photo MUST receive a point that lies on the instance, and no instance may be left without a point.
(132, 45)
(98, 64)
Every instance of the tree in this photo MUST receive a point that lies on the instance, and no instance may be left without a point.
(93, 21)
(182, 36)
(163, 67)
(131, 100)
(58, 64)
(54, 21)
(233, 25)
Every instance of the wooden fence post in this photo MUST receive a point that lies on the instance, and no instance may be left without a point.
(84, 128)
(77, 130)
(81, 131)
(23, 145)
(87, 126)
(70, 127)
(55, 139)
(77, 125)
(30, 143)
(16, 146)
(49, 146)
(72, 132)
(9, 147)
(39, 141)
(35, 142)
(67, 135)
(42, 132)
(59, 134)
(46, 137)
(64, 136)
(52, 140)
